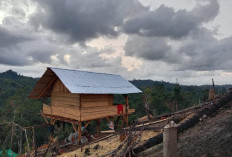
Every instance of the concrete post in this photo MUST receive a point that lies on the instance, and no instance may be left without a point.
(170, 140)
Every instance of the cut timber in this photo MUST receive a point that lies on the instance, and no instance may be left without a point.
(107, 131)
(206, 110)
(170, 141)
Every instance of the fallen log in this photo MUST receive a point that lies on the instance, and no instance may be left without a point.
(205, 110)
(107, 132)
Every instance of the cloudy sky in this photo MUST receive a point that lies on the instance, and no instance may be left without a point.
(138, 39)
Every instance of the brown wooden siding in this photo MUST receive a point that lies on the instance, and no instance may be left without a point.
(64, 102)
(65, 112)
(81, 107)
(96, 100)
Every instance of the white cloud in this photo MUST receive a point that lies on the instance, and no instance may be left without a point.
(160, 40)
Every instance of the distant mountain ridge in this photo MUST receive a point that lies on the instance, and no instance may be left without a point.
(141, 84)
(11, 82)
(12, 76)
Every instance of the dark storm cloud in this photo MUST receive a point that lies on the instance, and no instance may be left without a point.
(8, 38)
(147, 48)
(207, 53)
(90, 58)
(200, 51)
(13, 56)
(83, 20)
(179, 38)
(165, 21)
(9, 47)
(20, 46)
(175, 38)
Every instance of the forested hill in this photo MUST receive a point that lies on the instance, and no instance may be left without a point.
(15, 88)
(143, 84)
(12, 84)
(163, 96)
(15, 106)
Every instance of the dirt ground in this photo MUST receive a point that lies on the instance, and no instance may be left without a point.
(104, 146)
(210, 138)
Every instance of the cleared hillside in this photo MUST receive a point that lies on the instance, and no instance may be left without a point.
(211, 137)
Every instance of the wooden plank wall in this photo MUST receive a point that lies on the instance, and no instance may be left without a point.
(100, 112)
(95, 105)
(96, 100)
(80, 107)
(62, 112)
(64, 103)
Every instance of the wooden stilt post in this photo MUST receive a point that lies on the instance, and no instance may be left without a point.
(87, 124)
(127, 107)
(116, 123)
(122, 122)
(170, 140)
(98, 127)
(75, 128)
(76, 131)
(79, 132)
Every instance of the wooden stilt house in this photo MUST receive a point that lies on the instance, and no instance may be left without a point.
(80, 96)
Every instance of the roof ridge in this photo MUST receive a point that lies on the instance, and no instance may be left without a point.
(84, 71)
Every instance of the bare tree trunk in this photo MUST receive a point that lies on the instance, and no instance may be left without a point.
(21, 141)
(147, 111)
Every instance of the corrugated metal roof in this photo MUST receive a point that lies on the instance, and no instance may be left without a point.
(94, 83)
